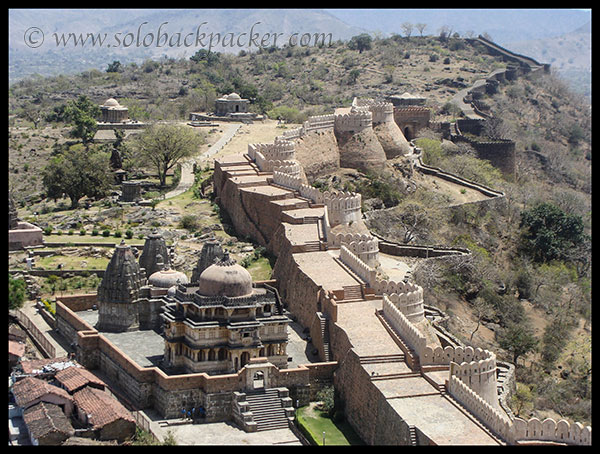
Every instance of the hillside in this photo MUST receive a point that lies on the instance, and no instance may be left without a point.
(498, 288)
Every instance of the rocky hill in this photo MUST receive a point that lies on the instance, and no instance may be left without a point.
(500, 287)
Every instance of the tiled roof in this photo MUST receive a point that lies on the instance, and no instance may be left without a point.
(16, 348)
(101, 407)
(44, 418)
(74, 378)
(30, 389)
(37, 365)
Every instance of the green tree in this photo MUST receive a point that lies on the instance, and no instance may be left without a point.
(16, 292)
(76, 173)
(360, 42)
(518, 339)
(165, 146)
(114, 67)
(547, 232)
(82, 113)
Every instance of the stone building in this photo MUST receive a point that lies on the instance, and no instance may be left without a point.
(218, 324)
(231, 103)
(119, 292)
(113, 112)
(210, 251)
(153, 246)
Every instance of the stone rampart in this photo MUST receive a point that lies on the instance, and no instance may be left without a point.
(402, 325)
(489, 415)
(549, 430)
(360, 268)
(410, 304)
(354, 121)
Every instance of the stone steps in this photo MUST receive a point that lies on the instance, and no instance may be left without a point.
(353, 292)
(376, 359)
(267, 411)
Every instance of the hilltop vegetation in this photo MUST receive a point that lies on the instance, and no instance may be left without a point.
(532, 304)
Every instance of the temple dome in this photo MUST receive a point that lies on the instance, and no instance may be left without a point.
(225, 278)
(233, 97)
(111, 102)
(167, 278)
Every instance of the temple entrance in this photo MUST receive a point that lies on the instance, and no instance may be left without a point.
(258, 380)
(244, 359)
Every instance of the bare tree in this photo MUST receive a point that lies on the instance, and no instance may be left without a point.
(421, 28)
(407, 28)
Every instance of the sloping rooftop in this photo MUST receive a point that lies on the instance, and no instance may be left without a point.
(74, 378)
(102, 408)
(30, 389)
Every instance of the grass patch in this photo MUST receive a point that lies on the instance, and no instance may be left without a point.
(89, 239)
(260, 269)
(314, 422)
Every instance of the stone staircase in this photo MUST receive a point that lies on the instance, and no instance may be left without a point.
(376, 359)
(266, 409)
(311, 246)
(353, 292)
(324, 335)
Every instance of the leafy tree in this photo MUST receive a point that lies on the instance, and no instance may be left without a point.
(360, 42)
(211, 58)
(517, 339)
(82, 113)
(16, 292)
(77, 173)
(547, 232)
(114, 67)
(165, 146)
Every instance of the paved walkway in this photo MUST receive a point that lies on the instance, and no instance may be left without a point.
(59, 343)
(187, 167)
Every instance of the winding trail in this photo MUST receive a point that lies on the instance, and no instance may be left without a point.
(187, 167)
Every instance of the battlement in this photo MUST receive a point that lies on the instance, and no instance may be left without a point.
(381, 111)
(410, 304)
(403, 326)
(364, 271)
(281, 149)
(365, 246)
(355, 121)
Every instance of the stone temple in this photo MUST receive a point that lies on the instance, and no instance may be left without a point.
(217, 324)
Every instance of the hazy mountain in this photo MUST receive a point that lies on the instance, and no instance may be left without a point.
(132, 35)
(503, 25)
(132, 26)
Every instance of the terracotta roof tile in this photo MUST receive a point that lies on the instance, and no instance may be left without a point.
(74, 378)
(16, 348)
(29, 389)
(44, 418)
(102, 407)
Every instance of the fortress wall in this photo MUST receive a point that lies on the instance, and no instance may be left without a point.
(410, 304)
(318, 153)
(360, 149)
(364, 271)
(299, 291)
(500, 152)
(550, 430)
(491, 416)
(402, 325)
(354, 121)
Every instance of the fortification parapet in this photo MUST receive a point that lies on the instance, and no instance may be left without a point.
(403, 326)
(365, 246)
(355, 121)
(381, 111)
(364, 271)
(410, 304)
(343, 207)
(549, 430)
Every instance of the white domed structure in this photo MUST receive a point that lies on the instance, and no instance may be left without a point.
(167, 278)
